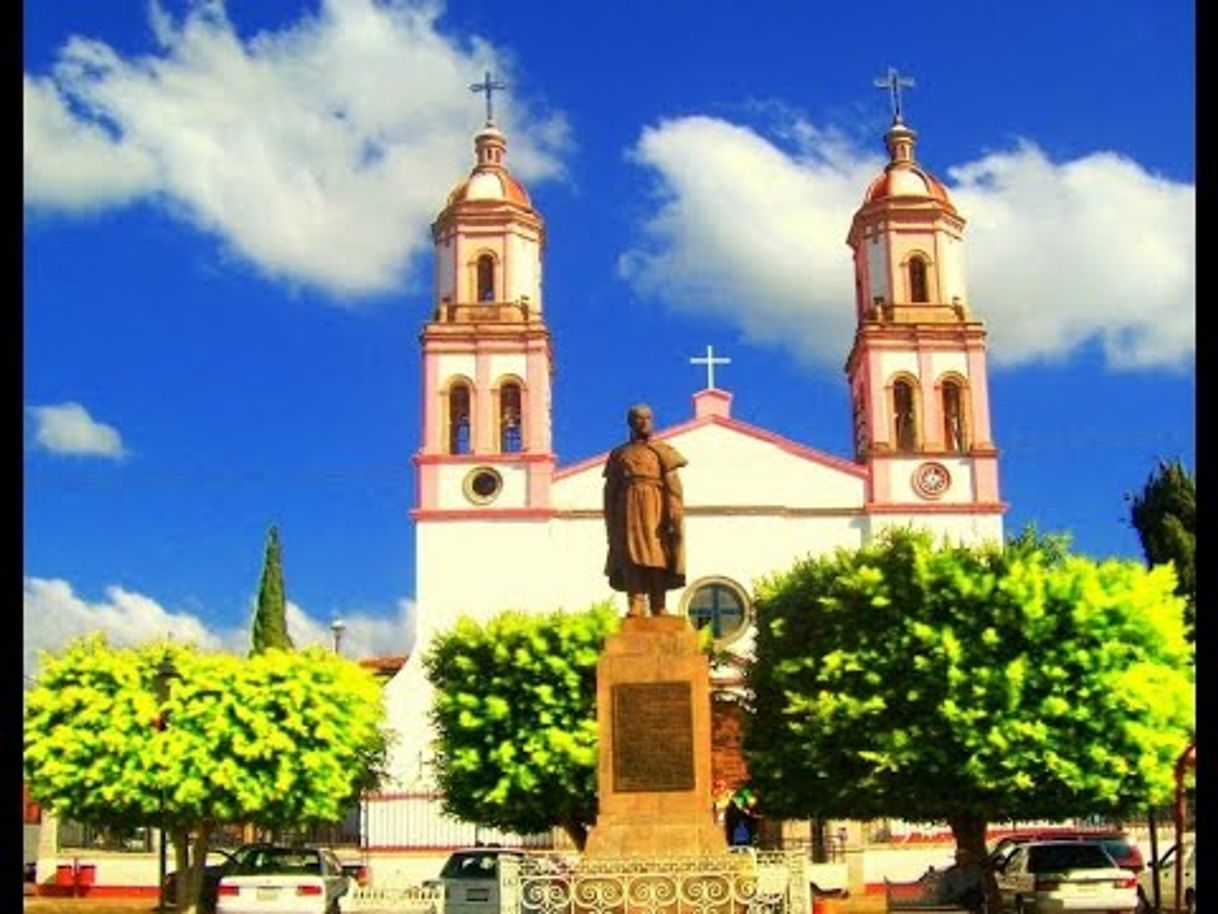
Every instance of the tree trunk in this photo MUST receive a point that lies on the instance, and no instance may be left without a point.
(969, 832)
(190, 866)
(578, 833)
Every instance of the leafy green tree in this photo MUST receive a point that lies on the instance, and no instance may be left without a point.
(270, 620)
(515, 716)
(1165, 515)
(967, 685)
(279, 739)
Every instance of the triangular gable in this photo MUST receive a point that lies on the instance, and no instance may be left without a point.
(733, 463)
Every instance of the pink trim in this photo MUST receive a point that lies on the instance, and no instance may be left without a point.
(421, 514)
(881, 481)
(932, 431)
(985, 479)
(402, 795)
(752, 431)
(483, 432)
(539, 479)
(521, 457)
(431, 411)
(712, 402)
(980, 397)
(878, 420)
(537, 431)
(923, 507)
(427, 480)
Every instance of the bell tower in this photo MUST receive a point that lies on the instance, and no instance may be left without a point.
(917, 369)
(486, 446)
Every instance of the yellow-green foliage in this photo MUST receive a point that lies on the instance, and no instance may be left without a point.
(923, 680)
(515, 715)
(280, 738)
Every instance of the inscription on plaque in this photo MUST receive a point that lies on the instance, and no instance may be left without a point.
(653, 737)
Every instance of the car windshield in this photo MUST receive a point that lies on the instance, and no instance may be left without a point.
(1048, 858)
(1117, 847)
(280, 860)
(471, 866)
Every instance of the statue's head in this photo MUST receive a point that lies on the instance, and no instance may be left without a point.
(638, 417)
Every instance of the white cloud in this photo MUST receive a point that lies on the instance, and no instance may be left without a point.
(313, 152)
(1056, 254)
(53, 614)
(67, 428)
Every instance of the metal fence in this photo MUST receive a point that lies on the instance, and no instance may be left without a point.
(755, 882)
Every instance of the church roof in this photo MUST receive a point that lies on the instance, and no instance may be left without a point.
(903, 176)
(490, 179)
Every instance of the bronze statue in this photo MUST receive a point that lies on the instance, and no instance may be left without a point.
(644, 517)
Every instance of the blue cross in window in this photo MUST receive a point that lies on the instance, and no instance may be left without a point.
(718, 606)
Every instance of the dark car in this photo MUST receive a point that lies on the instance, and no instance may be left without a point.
(212, 874)
(1119, 845)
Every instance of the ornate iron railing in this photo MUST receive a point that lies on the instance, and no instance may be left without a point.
(762, 882)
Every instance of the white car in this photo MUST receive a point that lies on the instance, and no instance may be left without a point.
(470, 880)
(283, 880)
(1167, 882)
(1065, 876)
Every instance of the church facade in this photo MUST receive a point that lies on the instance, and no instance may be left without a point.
(488, 484)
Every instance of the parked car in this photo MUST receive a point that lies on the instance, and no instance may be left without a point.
(470, 880)
(212, 874)
(283, 880)
(1041, 876)
(1166, 865)
(1120, 846)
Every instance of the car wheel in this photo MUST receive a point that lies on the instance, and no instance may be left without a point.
(1190, 902)
(1143, 904)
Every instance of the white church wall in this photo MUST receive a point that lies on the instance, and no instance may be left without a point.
(502, 363)
(730, 468)
(449, 364)
(893, 362)
(951, 268)
(960, 491)
(526, 270)
(452, 476)
(960, 528)
(943, 362)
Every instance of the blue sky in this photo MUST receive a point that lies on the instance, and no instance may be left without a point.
(227, 260)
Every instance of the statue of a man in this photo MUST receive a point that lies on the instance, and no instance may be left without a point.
(644, 517)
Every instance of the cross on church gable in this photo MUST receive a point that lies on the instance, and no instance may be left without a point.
(710, 362)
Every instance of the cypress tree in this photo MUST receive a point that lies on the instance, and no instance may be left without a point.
(270, 620)
(1164, 513)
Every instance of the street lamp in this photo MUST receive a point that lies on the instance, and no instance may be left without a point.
(338, 626)
(166, 672)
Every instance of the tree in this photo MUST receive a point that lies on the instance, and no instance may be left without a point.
(282, 738)
(1165, 515)
(270, 620)
(966, 685)
(515, 717)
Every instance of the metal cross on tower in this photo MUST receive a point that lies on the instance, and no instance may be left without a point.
(710, 362)
(894, 82)
(488, 86)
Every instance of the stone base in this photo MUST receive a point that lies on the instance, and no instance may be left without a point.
(654, 793)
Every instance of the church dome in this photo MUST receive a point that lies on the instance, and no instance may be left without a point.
(902, 176)
(490, 179)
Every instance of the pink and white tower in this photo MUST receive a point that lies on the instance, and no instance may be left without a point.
(486, 449)
(917, 369)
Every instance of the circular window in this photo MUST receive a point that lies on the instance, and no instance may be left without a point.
(931, 479)
(719, 603)
(483, 485)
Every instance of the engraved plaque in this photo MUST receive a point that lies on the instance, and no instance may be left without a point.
(653, 737)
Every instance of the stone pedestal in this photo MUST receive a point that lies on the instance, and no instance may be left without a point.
(653, 717)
